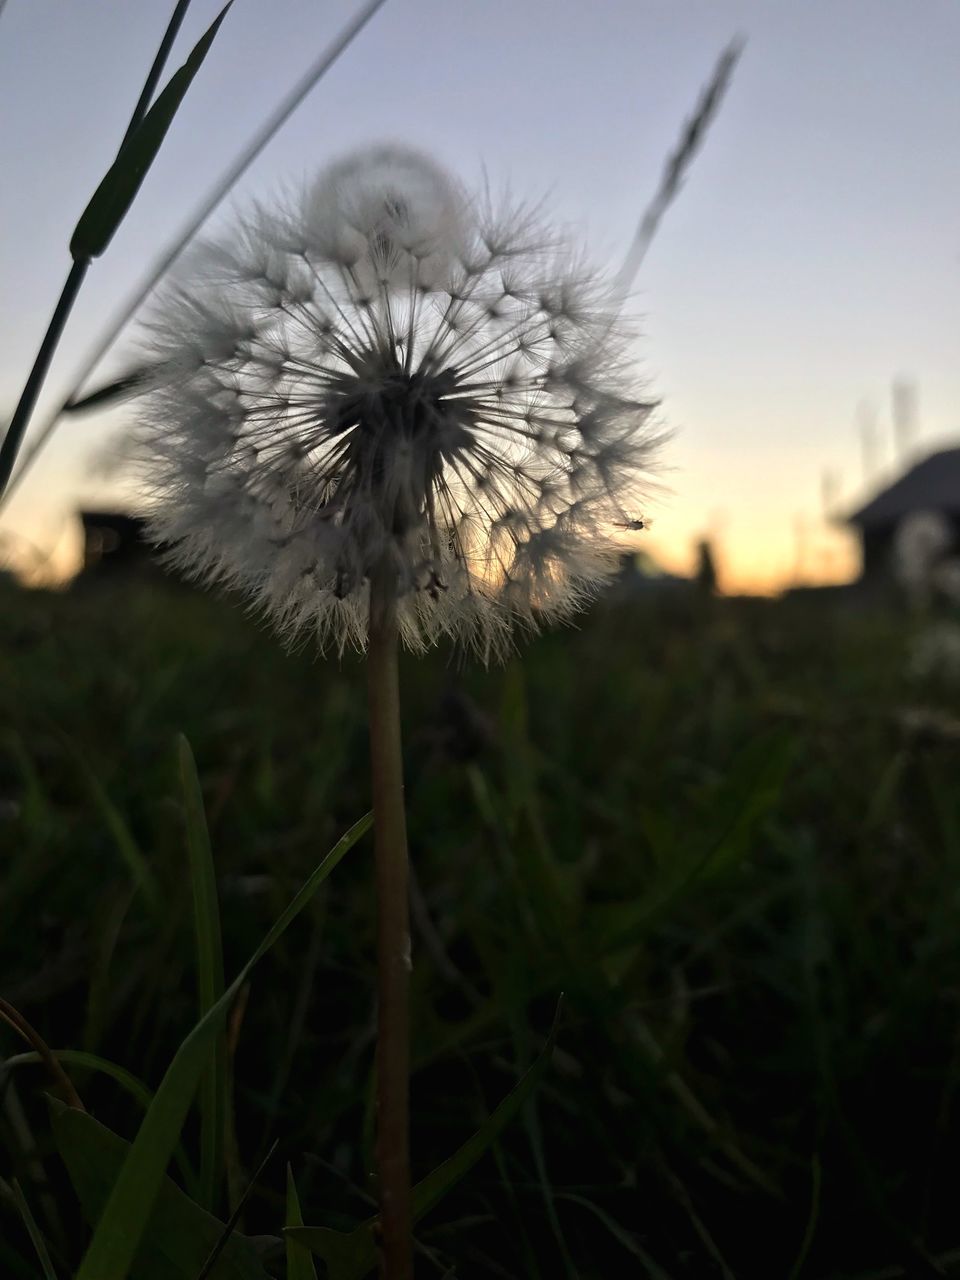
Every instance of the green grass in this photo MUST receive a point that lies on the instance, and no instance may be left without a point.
(720, 828)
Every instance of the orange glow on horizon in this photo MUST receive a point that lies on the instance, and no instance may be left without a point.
(832, 559)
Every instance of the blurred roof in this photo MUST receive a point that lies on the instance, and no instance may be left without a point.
(931, 485)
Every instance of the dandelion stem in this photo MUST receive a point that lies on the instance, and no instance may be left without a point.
(393, 933)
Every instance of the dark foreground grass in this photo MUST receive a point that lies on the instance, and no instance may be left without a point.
(729, 832)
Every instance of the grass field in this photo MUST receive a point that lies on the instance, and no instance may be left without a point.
(728, 832)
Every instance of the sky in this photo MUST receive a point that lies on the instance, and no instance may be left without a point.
(811, 258)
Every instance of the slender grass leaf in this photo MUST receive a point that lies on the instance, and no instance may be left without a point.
(346, 1255)
(121, 1076)
(22, 869)
(751, 788)
(622, 1236)
(749, 792)
(535, 1134)
(299, 1262)
(179, 1233)
(352, 1255)
(116, 192)
(102, 980)
(816, 1187)
(127, 847)
(105, 396)
(209, 1267)
(33, 1231)
(130, 1203)
(434, 1187)
(210, 981)
(80, 1058)
(34, 805)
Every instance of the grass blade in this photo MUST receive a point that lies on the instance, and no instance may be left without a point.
(210, 980)
(179, 1234)
(91, 1062)
(436, 1184)
(619, 1233)
(351, 1255)
(242, 163)
(229, 1231)
(678, 163)
(816, 1185)
(156, 68)
(127, 1081)
(71, 287)
(33, 1231)
(116, 192)
(105, 396)
(127, 847)
(299, 1262)
(128, 1208)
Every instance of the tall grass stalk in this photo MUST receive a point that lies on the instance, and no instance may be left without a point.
(71, 288)
(172, 252)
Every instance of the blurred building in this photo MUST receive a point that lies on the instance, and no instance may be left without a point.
(925, 497)
(641, 574)
(114, 542)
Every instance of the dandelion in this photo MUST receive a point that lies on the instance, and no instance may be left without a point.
(384, 381)
(390, 413)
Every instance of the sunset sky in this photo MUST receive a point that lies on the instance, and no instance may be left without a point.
(812, 257)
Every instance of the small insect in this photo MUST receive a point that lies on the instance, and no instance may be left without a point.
(644, 522)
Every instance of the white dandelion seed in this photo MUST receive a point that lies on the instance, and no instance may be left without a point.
(391, 378)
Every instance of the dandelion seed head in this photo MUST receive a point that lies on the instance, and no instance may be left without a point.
(389, 378)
